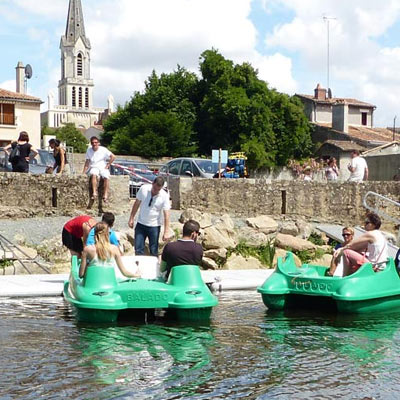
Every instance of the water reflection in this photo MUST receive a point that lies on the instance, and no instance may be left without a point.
(140, 358)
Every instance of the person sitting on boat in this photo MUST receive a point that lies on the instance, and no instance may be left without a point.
(348, 235)
(372, 241)
(184, 251)
(75, 233)
(108, 218)
(102, 252)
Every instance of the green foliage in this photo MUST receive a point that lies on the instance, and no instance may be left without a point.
(265, 253)
(73, 137)
(307, 256)
(316, 239)
(4, 262)
(228, 107)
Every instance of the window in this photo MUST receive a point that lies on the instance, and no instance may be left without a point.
(174, 166)
(80, 97)
(79, 68)
(73, 96)
(186, 168)
(87, 97)
(364, 118)
(7, 116)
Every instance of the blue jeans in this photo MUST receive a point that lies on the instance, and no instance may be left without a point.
(141, 233)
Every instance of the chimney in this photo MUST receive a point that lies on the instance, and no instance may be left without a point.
(320, 93)
(20, 77)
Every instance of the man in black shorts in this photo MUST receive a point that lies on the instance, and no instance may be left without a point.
(184, 251)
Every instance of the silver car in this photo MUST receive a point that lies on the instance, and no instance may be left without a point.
(193, 167)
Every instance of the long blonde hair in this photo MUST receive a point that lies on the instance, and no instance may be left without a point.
(102, 241)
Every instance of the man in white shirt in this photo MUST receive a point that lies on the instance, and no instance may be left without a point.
(153, 203)
(358, 168)
(97, 164)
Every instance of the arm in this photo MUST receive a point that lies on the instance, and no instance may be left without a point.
(121, 266)
(86, 227)
(359, 244)
(110, 161)
(6, 149)
(86, 166)
(62, 155)
(82, 268)
(166, 235)
(135, 207)
(366, 174)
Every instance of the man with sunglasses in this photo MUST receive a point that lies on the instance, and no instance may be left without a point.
(153, 204)
(184, 251)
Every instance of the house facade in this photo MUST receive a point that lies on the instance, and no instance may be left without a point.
(19, 112)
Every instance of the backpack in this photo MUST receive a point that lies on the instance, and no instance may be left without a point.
(14, 154)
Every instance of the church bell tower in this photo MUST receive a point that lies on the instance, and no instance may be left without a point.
(75, 87)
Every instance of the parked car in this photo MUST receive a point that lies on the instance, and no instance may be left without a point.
(193, 167)
(139, 173)
(37, 165)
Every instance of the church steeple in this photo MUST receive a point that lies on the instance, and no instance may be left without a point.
(75, 25)
(75, 87)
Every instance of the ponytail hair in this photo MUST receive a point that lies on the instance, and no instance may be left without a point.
(102, 241)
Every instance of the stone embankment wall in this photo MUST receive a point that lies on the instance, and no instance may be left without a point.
(52, 194)
(325, 202)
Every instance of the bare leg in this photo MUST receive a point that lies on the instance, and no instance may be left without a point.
(93, 182)
(106, 187)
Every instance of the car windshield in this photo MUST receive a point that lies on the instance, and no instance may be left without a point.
(45, 158)
(208, 166)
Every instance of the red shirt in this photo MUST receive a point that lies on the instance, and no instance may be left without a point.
(75, 225)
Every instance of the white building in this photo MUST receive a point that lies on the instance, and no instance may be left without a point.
(19, 112)
(75, 88)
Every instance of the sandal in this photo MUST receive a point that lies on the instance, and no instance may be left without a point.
(94, 196)
(105, 200)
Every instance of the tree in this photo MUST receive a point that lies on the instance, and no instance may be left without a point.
(164, 114)
(238, 111)
(73, 137)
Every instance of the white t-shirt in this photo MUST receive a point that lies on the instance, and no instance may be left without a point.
(151, 214)
(377, 251)
(99, 158)
(360, 166)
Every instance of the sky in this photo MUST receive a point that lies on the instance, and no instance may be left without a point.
(285, 40)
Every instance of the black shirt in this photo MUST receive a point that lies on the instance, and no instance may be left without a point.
(182, 252)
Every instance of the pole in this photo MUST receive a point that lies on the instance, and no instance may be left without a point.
(394, 128)
(325, 18)
(219, 163)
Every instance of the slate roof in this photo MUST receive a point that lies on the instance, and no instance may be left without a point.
(344, 145)
(18, 97)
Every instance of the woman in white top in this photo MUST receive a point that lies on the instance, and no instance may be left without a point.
(372, 242)
(332, 171)
(102, 253)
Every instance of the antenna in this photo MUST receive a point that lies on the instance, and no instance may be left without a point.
(327, 19)
(28, 75)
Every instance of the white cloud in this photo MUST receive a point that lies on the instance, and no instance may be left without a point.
(360, 66)
(8, 85)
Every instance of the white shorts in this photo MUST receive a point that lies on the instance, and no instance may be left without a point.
(104, 173)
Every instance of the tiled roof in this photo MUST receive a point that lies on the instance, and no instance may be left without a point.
(372, 134)
(384, 146)
(333, 100)
(345, 145)
(381, 135)
(8, 95)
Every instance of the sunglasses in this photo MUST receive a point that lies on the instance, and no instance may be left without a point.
(346, 234)
(367, 222)
(198, 233)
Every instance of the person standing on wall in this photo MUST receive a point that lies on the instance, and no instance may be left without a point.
(184, 251)
(153, 203)
(20, 161)
(97, 164)
(358, 168)
(61, 165)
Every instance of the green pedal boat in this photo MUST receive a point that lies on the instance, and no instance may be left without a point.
(308, 287)
(104, 293)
